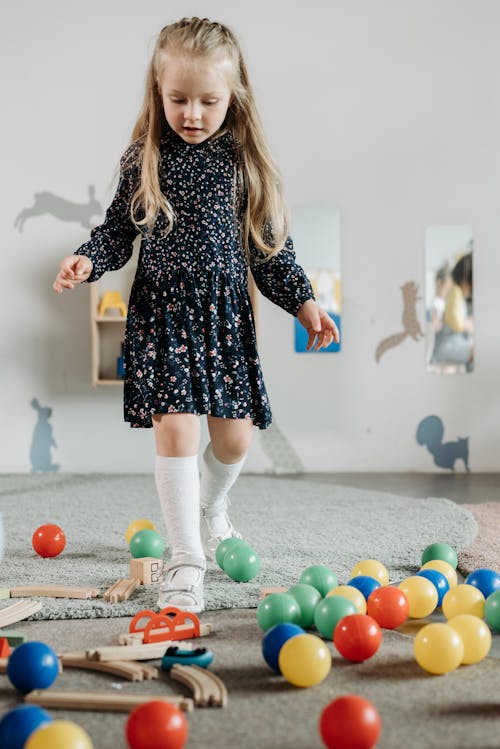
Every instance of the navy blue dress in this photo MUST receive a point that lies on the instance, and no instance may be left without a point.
(190, 342)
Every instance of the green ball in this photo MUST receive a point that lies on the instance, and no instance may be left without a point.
(440, 551)
(224, 547)
(329, 612)
(278, 608)
(492, 611)
(241, 563)
(320, 577)
(308, 598)
(147, 543)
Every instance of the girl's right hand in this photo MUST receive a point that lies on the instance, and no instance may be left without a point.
(74, 269)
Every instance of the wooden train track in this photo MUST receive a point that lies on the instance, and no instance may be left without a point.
(149, 652)
(130, 670)
(18, 611)
(53, 591)
(207, 688)
(121, 590)
(57, 699)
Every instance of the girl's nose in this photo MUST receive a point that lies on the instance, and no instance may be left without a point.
(192, 111)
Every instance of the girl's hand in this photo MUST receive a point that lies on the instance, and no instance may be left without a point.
(74, 269)
(318, 323)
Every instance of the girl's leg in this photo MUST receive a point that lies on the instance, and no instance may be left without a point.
(221, 464)
(177, 439)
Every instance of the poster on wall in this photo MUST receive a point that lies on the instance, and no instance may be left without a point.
(449, 299)
(316, 238)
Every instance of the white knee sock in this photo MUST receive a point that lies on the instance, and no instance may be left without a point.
(178, 485)
(216, 479)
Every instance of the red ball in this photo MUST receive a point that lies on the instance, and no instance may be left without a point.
(388, 606)
(357, 637)
(350, 722)
(48, 540)
(156, 725)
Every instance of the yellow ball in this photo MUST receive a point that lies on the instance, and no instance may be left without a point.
(138, 525)
(422, 596)
(445, 568)
(475, 634)
(463, 599)
(372, 568)
(305, 660)
(438, 648)
(352, 593)
(60, 734)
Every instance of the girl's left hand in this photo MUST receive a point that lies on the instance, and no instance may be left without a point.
(318, 323)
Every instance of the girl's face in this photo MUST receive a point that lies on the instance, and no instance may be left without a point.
(196, 95)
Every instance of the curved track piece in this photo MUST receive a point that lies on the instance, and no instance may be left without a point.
(208, 689)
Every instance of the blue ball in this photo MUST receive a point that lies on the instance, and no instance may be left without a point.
(438, 580)
(274, 639)
(32, 665)
(17, 725)
(486, 580)
(365, 584)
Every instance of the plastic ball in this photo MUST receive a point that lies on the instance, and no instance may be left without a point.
(353, 594)
(463, 599)
(147, 543)
(350, 722)
(492, 611)
(421, 594)
(32, 665)
(448, 571)
(329, 612)
(226, 545)
(48, 540)
(388, 606)
(440, 551)
(364, 584)
(308, 598)
(138, 525)
(60, 734)
(485, 580)
(278, 608)
(320, 577)
(438, 648)
(371, 568)
(357, 637)
(156, 725)
(241, 563)
(439, 581)
(475, 634)
(17, 725)
(305, 660)
(273, 641)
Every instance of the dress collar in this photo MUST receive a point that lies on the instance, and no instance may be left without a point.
(222, 141)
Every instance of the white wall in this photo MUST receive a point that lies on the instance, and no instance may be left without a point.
(388, 109)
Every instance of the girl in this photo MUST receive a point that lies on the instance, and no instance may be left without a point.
(199, 184)
(454, 342)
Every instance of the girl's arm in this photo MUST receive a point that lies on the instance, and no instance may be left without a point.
(111, 243)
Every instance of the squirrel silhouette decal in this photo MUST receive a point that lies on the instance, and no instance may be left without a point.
(42, 441)
(430, 433)
(411, 325)
(47, 202)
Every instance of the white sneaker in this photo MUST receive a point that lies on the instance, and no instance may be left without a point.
(215, 527)
(182, 586)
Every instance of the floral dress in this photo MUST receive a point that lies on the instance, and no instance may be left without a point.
(190, 343)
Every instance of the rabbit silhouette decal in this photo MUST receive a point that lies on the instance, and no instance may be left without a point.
(430, 433)
(42, 441)
(411, 325)
(66, 210)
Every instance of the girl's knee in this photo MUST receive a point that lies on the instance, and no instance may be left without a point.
(177, 433)
(231, 440)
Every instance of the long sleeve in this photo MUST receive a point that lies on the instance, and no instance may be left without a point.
(111, 243)
(281, 279)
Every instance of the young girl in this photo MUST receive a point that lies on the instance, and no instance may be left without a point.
(199, 184)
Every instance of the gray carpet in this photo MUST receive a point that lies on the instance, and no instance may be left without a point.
(291, 524)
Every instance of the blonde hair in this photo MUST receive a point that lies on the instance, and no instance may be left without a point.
(259, 191)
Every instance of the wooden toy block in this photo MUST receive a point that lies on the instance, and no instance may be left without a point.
(121, 590)
(147, 570)
(207, 688)
(3, 665)
(112, 300)
(18, 611)
(14, 638)
(264, 592)
(5, 650)
(54, 699)
(53, 591)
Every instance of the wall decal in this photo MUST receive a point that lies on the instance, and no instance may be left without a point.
(42, 441)
(430, 433)
(66, 210)
(283, 457)
(411, 325)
